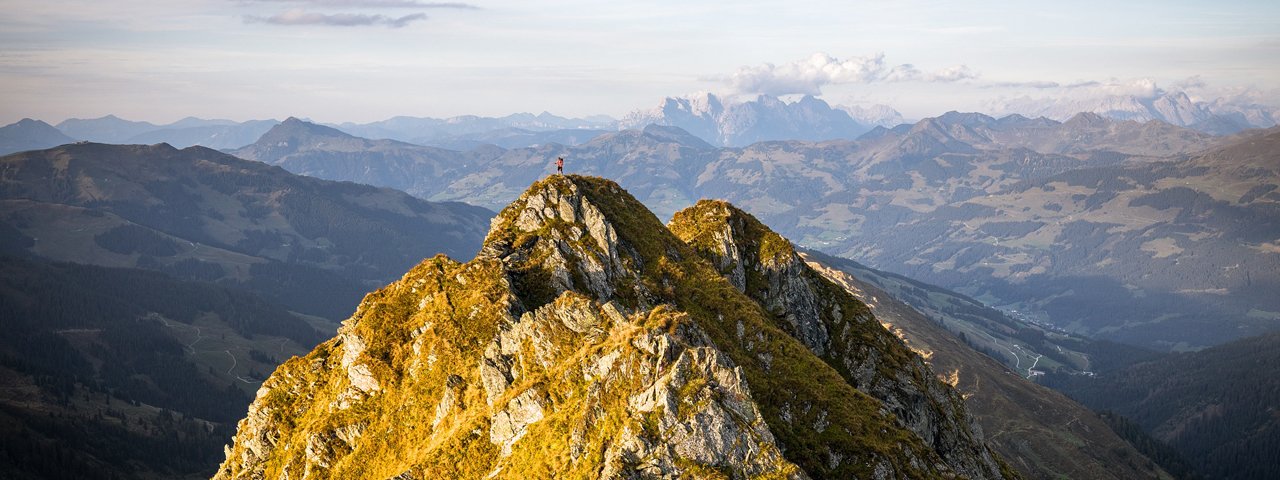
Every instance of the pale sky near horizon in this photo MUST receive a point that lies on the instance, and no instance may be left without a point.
(367, 60)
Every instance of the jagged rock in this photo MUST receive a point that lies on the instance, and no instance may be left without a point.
(512, 422)
(745, 250)
(590, 243)
(703, 411)
(586, 340)
(361, 377)
(765, 266)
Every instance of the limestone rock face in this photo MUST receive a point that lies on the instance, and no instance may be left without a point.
(837, 327)
(749, 255)
(588, 248)
(586, 340)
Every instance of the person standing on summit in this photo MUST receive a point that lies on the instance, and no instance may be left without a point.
(560, 165)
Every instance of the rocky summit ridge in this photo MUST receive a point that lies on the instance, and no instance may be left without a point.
(588, 340)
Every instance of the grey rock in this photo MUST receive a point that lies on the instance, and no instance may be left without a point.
(513, 421)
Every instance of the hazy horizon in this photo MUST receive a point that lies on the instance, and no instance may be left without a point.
(367, 60)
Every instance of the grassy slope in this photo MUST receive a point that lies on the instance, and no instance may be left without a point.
(464, 306)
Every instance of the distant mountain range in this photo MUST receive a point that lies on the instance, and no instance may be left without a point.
(1218, 116)
(721, 121)
(216, 134)
(446, 131)
(324, 152)
(456, 133)
(874, 115)
(707, 116)
(1101, 249)
(28, 134)
(311, 245)
(942, 200)
(742, 123)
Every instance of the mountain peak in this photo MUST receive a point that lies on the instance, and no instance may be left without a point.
(29, 134)
(296, 125)
(737, 124)
(28, 123)
(732, 237)
(966, 118)
(575, 233)
(586, 335)
(295, 134)
(1089, 119)
(677, 135)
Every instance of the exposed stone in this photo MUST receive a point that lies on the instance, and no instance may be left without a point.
(787, 292)
(350, 433)
(362, 379)
(587, 365)
(360, 375)
(789, 288)
(513, 421)
(588, 245)
(443, 408)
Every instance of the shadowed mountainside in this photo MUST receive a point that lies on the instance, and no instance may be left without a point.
(312, 245)
(1041, 432)
(1217, 407)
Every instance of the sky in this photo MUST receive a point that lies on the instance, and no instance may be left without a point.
(368, 60)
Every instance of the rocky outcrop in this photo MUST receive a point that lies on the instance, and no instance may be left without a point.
(576, 244)
(584, 341)
(837, 327)
(758, 262)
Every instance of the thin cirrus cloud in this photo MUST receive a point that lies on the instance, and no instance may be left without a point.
(909, 73)
(1038, 84)
(371, 3)
(1042, 84)
(807, 76)
(302, 17)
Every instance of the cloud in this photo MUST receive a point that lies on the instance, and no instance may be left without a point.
(1028, 84)
(1063, 101)
(1083, 84)
(904, 73)
(953, 74)
(1144, 88)
(302, 17)
(1191, 82)
(807, 76)
(372, 3)
(966, 30)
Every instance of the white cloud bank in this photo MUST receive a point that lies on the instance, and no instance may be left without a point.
(303, 17)
(807, 76)
(371, 3)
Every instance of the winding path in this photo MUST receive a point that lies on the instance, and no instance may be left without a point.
(233, 366)
(200, 336)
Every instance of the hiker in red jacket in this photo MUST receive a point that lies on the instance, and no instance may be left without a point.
(560, 165)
